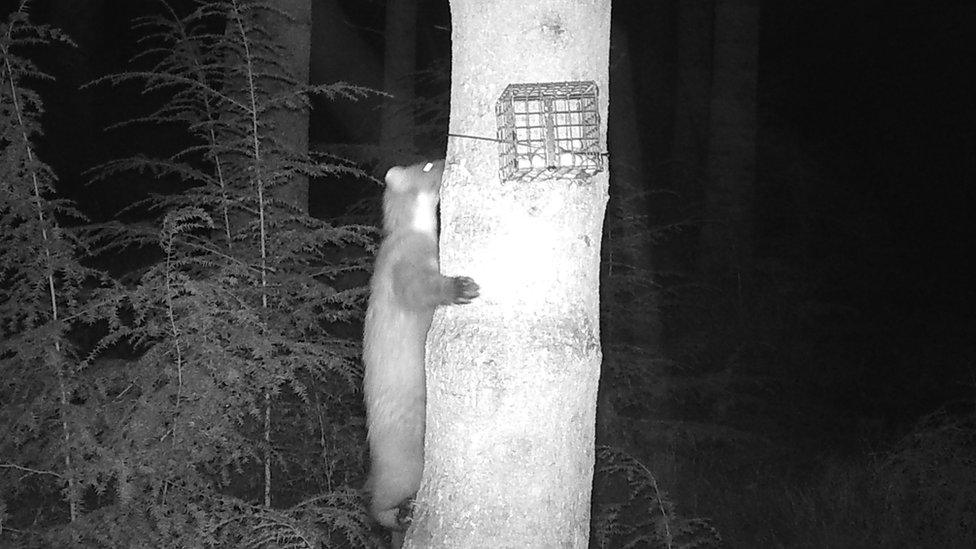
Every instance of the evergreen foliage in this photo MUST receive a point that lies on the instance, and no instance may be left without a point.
(41, 280)
(239, 397)
(630, 510)
(219, 406)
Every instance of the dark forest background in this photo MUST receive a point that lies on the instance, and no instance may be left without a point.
(788, 328)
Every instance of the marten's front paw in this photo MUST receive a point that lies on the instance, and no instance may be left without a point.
(465, 290)
(404, 514)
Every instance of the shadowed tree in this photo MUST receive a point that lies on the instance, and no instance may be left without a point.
(731, 164)
(341, 53)
(294, 33)
(396, 131)
(631, 312)
(694, 50)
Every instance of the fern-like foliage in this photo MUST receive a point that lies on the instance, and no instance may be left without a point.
(44, 437)
(929, 480)
(236, 400)
(630, 510)
(338, 518)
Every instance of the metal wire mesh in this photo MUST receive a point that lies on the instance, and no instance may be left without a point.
(549, 129)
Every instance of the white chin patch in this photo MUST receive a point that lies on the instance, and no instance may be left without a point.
(425, 213)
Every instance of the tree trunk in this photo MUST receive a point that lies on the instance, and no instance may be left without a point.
(694, 37)
(726, 238)
(398, 77)
(630, 298)
(296, 38)
(339, 53)
(512, 378)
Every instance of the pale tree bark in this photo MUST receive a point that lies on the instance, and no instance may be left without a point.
(512, 377)
(399, 69)
(726, 237)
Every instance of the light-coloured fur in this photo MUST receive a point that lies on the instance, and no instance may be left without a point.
(405, 289)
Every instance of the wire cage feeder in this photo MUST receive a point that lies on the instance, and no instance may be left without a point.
(549, 129)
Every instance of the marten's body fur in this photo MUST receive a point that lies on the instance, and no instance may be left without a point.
(405, 289)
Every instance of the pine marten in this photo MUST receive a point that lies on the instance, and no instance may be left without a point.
(406, 287)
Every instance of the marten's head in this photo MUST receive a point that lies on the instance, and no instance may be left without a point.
(411, 196)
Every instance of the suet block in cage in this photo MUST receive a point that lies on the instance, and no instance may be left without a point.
(549, 129)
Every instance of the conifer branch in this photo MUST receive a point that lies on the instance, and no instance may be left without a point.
(49, 263)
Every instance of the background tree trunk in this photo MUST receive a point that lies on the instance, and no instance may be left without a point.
(628, 293)
(726, 237)
(694, 45)
(628, 204)
(396, 131)
(341, 53)
(292, 124)
(512, 378)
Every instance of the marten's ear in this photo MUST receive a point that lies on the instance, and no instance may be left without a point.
(396, 178)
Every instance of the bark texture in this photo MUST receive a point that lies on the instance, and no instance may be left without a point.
(512, 377)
